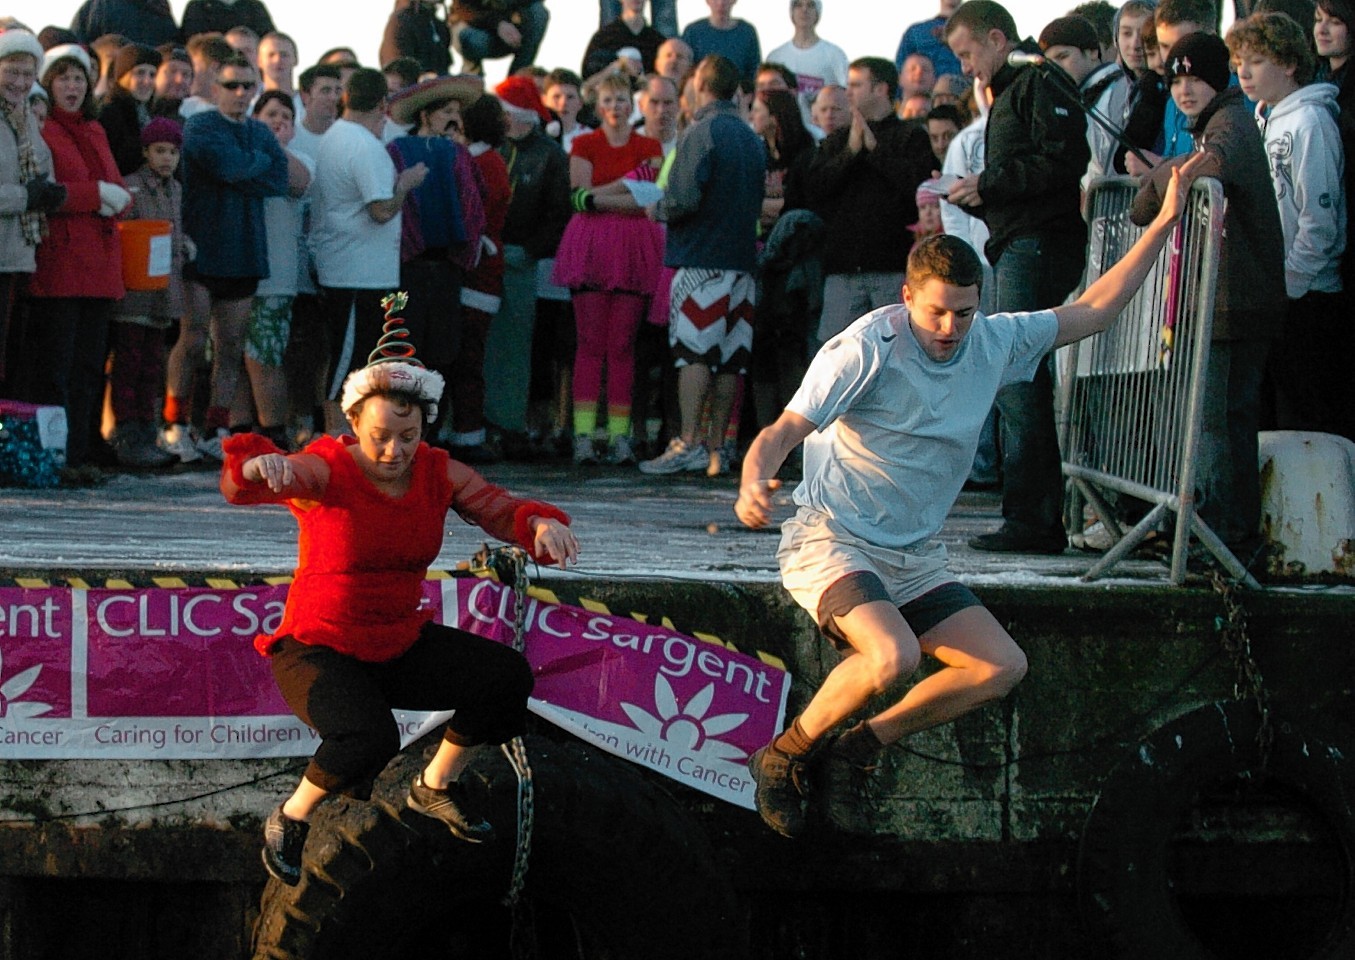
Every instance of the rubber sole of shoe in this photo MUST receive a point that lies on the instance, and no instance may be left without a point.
(276, 873)
(789, 829)
(451, 827)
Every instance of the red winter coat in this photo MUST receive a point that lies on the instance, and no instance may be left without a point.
(82, 255)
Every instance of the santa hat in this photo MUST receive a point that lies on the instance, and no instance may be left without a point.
(15, 40)
(393, 366)
(67, 51)
(522, 101)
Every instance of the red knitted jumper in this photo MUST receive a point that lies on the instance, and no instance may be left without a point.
(363, 554)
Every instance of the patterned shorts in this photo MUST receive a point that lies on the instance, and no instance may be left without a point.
(270, 327)
(711, 318)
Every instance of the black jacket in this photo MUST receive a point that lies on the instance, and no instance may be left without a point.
(415, 30)
(118, 117)
(539, 173)
(1035, 155)
(142, 21)
(604, 45)
(206, 16)
(869, 200)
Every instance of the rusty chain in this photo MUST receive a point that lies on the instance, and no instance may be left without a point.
(1231, 627)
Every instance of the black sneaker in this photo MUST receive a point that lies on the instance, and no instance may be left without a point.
(283, 840)
(782, 790)
(453, 806)
(1008, 540)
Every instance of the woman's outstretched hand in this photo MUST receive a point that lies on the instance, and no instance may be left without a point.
(271, 468)
(553, 539)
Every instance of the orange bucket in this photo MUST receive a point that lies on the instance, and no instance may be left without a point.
(147, 253)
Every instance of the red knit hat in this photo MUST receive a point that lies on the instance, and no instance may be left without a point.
(521, 99)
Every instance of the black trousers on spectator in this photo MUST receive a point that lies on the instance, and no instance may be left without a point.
(348, 702)
(65, 348)
(348, 349)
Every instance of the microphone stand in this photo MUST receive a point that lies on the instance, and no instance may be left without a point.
(1062, 82)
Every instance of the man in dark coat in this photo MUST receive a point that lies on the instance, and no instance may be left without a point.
(142, 21)
(1029, 194)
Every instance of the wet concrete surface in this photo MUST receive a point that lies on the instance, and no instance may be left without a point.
(630, 525)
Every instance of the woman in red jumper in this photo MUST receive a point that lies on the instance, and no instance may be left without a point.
(79, 265)
(353, 642)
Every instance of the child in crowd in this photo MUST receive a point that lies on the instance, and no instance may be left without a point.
(928, 212)
(1250, 293)
(143, 316)
(560, 92)
(1309, 373)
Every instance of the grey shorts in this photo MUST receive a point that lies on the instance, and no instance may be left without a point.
(817, 554)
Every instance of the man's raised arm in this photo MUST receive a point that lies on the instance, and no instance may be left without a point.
(1102, 302)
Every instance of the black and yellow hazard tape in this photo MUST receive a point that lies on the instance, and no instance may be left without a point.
(188, 581)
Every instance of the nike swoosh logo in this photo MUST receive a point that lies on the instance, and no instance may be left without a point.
(888, 338)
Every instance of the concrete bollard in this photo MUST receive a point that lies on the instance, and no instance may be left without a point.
(1308, 502)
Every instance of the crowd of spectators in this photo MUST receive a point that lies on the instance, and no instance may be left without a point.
(633, 263)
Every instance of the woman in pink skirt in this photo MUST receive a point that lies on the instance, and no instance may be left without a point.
(610, 260)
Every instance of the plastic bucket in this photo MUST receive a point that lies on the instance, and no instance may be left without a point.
(147, 253)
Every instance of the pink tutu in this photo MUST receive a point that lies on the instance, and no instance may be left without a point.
(609, 252)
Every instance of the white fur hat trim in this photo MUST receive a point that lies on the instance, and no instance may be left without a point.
(18, 40)
(393, 375)
(67, 51)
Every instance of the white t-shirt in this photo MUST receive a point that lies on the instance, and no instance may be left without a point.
(283, 218)
(964, 158)
(815, 66)
(351, 250)
(897, 430)
(303, 141)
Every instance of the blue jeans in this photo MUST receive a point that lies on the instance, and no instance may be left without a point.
(985, 471)
(1034, 272)
(662, 15)
(476, 45)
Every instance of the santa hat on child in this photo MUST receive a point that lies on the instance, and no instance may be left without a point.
(393, 366)
(522, 101)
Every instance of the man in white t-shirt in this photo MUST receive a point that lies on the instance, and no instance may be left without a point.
(890, 413)
(356, 198)
(321, 90)
(815, 62)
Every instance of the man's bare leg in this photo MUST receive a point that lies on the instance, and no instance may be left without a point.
(982, 664)
(884, 650)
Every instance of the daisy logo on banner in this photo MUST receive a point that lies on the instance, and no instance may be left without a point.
(687, 727)
(15, 687)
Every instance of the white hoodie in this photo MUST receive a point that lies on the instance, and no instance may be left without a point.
(1303, 145)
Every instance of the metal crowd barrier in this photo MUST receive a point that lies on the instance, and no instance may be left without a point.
(1132, 396)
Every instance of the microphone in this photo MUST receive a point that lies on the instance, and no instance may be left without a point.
(1019, 58)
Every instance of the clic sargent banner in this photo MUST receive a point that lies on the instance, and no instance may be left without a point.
(163, 673)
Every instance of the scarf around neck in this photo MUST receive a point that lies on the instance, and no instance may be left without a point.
(34, 224)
